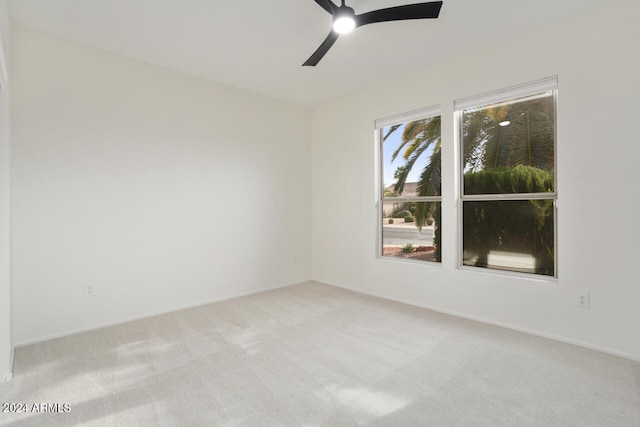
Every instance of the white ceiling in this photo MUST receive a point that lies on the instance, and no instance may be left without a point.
(259, 45)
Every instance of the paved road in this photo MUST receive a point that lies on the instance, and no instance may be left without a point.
(395, 235)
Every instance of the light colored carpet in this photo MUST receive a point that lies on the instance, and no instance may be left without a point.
(315, 355)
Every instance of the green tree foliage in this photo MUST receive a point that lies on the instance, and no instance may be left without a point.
(501, 180)
(527, 140)
(517, 226)
(402, 214)
(417, 137)
(390, 193)
(437, 230)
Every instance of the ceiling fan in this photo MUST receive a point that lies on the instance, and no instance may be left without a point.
(345, 20)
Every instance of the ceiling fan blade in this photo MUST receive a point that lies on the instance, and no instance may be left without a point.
(327, 5)
(399, 13)
(322, 50)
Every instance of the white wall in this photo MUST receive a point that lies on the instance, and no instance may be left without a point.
(159, 189)
(6, 347)
(595, 58)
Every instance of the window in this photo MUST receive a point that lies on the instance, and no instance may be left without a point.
(410, 197)
(508, 187)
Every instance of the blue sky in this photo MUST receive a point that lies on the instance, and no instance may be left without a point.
(389, 146)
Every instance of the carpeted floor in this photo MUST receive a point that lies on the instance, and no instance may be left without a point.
(315, 355)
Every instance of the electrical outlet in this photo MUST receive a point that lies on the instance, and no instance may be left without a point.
(583, 300)
(89, 291)
(294, 260)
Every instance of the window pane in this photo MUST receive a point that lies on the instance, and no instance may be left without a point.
(411, 158)
(412, 230)
(509, 235)
(508, 147)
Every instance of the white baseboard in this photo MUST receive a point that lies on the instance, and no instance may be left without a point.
(534, 332)
(8, 376)
(150, 314)
(630, 356)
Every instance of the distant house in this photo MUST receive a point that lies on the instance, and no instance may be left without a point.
(410, 190)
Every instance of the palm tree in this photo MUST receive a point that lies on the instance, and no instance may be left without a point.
(510, 135)
(417, 138)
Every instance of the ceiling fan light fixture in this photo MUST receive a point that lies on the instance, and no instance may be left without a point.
(344, 24)
(345, 20)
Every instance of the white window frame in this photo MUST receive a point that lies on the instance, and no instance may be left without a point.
(549, 84)
(379, 125)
